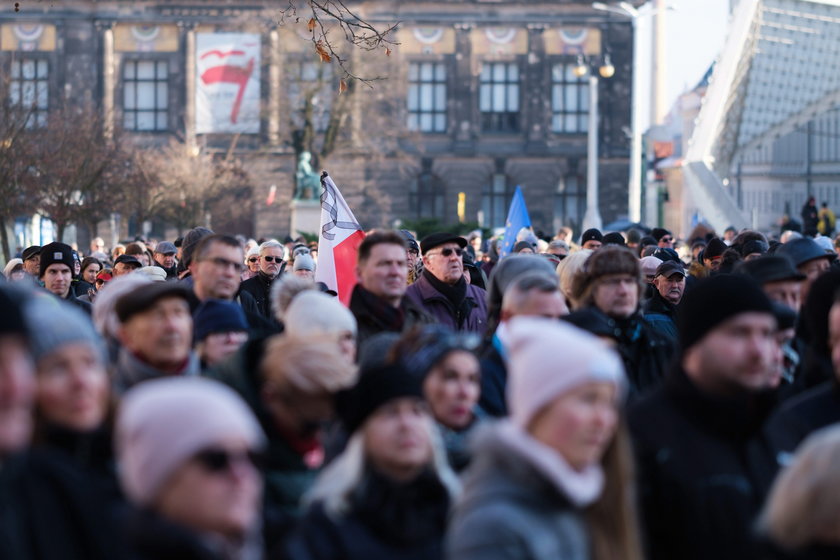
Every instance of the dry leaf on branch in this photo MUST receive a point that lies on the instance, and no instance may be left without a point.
(342, 86)
(322, 52)
(311, 24)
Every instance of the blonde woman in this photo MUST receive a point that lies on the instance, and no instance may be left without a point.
(800, 516)
(567, 271)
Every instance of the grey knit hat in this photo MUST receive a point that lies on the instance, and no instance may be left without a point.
(54, 324)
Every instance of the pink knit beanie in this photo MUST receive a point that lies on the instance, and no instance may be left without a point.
(164, 422)
(548, 358)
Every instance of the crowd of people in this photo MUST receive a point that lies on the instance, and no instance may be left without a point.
(621, 395)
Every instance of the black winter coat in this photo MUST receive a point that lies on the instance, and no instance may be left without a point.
(493, 379)
(703, 470)
(259, 287)
(800, 416)
(386, 521)
(375, 316)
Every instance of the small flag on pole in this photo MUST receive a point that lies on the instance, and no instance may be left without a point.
(517, 219)
(338, 242)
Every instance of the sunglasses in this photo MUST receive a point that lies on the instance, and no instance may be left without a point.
(219, 460)
(253, 259)
(448, 252)
(667, 239)
(269, 258)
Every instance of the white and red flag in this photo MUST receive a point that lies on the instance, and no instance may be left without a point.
(338, 242)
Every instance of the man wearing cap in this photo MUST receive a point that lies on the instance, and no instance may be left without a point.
(378, 301)
(669, 280)
(703, 471)
(713, 254)
(777, 277)
(155, 333)
(442, 291)
(271, 266)
(32, 261)
(809, 259)
(164, 256)
(56, 264)
(592, 239)
(126, 264)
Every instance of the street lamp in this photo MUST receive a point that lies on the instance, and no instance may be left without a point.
(592, 216)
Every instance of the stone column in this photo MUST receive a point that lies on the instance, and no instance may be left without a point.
(274, 87)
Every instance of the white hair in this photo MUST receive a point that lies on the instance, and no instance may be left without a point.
(336, 483)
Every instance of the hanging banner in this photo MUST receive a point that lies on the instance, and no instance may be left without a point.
(227, 83)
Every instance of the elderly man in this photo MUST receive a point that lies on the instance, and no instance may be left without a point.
(271, 266)
(164, 256)
(56, 264)
(703, 472)
(156, 334)
(31, 258)
(441, 289)
(126, 264)
(534, 294)
(609, 289)
(378, 301)
(215, 266)
(659, 310)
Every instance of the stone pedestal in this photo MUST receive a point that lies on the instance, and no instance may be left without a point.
(306, 217)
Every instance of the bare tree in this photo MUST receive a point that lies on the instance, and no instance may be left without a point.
(323, 16)
(18, 195)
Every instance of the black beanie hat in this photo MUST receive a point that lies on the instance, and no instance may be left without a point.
(614, 238)
(377, 385)
(714, 248)
(715, 300)
(56, 253)
(659, 233)
(592, 234)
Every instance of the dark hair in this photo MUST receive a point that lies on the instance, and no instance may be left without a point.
(89, 261)
(203, 246)
(134, 249)
(388, 236)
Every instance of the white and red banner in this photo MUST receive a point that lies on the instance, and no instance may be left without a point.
(227, 92)
(338, 242)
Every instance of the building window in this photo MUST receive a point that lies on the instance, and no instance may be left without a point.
(495, 200)
(569, 100)
(145, 95)
(427, 194)
(427, 96)
(310, 94)
(499, 96)
(30, 88)
(570, 202)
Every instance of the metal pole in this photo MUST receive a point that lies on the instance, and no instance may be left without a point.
(634, 189)
(592, 217)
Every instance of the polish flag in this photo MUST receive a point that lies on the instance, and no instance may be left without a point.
(338, 242)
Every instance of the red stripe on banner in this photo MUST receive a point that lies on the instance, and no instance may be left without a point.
(344, 258)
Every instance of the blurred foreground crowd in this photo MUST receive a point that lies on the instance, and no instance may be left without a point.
(627, 396)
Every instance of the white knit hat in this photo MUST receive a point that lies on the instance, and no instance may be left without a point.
(164, 422)
(548, 358)
(312, 313)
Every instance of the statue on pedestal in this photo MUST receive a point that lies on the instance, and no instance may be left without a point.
(307, 183)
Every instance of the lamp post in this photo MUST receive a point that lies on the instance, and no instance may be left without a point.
(592, 216)
(634, 186)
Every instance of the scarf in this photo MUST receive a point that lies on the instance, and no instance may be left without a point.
(455, 293)
(366, 304)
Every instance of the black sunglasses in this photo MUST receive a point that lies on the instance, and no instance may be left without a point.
(253, 259)
(448, 252)
(219, 460)
(269, 258)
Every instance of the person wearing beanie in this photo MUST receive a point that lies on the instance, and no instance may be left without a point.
(523, 247)
(664, 238)
(378, 300)
(713, 254)
(387, 495)
(220, 330)
(703, 465)
(536, 473)
(314, 315)
(252, 263)
(412, 255)
(14, 271)
(611, 285)
(304, 266)
(614, 238)
(56, 266)
(442, 291)
(591, 239)
(447, 365)
(189, 452)
(188, 246)
(271, 267)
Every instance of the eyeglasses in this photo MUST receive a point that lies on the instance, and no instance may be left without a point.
(448, 252)
(253, 259)
(269, 258)
(224, 263)
(220, 460)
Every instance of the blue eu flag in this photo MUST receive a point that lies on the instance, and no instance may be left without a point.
(517, 219)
